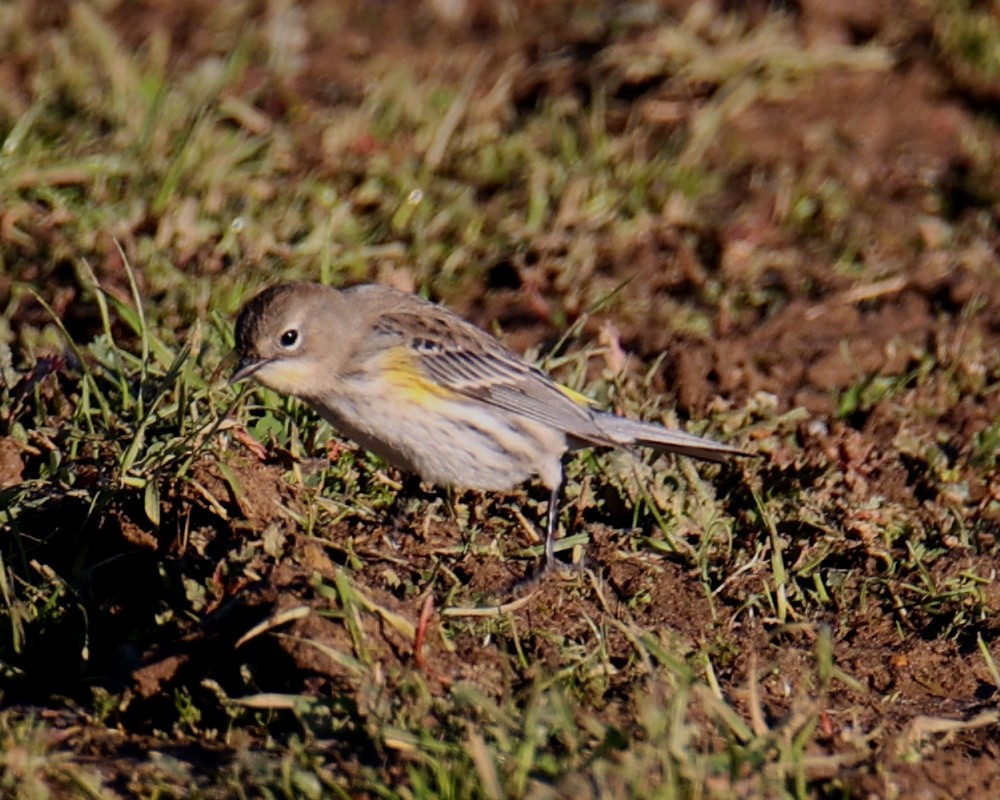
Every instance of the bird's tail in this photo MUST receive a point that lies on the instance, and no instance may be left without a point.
(629, 432)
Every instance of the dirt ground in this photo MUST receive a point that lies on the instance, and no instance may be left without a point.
(899, 268)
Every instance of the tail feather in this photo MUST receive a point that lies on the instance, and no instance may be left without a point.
(629, 432)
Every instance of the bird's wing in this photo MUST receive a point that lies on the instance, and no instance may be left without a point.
(454, 355)
(457, 356)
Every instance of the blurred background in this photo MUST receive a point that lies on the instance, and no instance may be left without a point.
(773, 220)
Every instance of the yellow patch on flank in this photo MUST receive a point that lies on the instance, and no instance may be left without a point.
(576, 397)
(400, 369)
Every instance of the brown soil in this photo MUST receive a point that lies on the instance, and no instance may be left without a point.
(894, 138)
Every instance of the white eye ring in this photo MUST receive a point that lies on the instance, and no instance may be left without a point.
(289, 339)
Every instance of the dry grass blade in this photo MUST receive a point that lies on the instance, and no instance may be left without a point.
(274, 621)
(490, 611)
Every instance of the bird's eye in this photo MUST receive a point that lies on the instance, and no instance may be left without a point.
(289, 338)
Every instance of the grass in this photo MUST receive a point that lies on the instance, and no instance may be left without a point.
(205, 593)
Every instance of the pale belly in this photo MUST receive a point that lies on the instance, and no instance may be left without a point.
(453, 444)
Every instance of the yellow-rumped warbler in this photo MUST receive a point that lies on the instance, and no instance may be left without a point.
(429, 392)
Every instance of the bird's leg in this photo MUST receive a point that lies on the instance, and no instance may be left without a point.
(550, 528)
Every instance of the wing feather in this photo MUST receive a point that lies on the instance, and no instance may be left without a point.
(458, 356)
(461, 358)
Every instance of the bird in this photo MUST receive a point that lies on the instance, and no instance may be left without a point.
(431, 393)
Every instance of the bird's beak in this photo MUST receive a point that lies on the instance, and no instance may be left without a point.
(246, 367)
